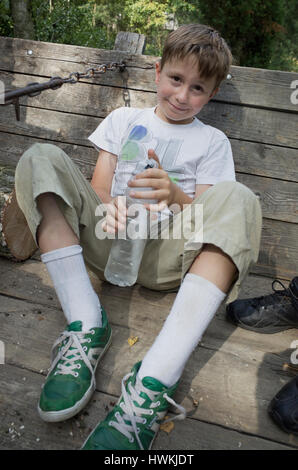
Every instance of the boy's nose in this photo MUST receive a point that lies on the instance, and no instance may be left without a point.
(182, 95)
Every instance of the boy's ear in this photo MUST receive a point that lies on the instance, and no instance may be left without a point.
(157, 71)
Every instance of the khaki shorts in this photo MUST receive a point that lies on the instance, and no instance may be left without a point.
(231, 217)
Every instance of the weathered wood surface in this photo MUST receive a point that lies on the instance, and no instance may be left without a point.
(254, 109)
(256, 87)
(132, 42)
(278, 197)
(233, 373)
(250, 157)
(239, 122)
(23, 430)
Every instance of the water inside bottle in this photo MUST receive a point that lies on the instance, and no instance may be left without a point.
(126, 254)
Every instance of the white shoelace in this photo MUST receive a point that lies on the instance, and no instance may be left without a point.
(134, 413)
(69, 356)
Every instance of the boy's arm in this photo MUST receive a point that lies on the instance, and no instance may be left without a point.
(103, 175)
(181, 198)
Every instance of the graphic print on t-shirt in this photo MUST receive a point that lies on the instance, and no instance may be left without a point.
(135, 149)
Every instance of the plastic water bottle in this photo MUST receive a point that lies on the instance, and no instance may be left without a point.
(126, 254)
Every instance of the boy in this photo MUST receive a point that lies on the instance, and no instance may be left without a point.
(59, 206)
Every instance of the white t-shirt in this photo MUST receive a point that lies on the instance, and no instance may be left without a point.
(192, 154)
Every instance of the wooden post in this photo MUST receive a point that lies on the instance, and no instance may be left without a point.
(130, 42)
(133, 43)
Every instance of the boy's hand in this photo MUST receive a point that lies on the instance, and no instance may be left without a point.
(116, 215)
(163, 188)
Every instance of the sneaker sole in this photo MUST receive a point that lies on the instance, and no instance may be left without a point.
(264, 330)
(62, 415)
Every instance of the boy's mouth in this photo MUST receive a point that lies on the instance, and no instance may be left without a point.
(177, 108)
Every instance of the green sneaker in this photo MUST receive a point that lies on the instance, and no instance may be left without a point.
(71, 379)
(135, 420)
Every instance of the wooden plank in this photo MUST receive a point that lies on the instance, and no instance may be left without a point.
(228, 365)
(238, 122)
(30, 281)
(249, 86)
(81, 98)
(257, 87)
(265, 160)
(257, 125)
(279, 250)
(13, 146)
(253, 158)
(49, 126)
(21, 427)
(278, 198)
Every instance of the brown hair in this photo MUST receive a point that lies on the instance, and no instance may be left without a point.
(211, 51)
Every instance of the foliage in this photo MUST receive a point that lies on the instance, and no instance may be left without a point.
(68, 22)
(149, 17)
(253, 27)
(286, 56)
(261, 33)
(6, 24)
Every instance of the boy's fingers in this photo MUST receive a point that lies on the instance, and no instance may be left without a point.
(116, 211)
(156, 207)
(152, 173)
(120, 204)
(111, 209)
(104, 225)
(113, 228)
(110, 221)
(143, 194)
(141, 181)
(107, 228)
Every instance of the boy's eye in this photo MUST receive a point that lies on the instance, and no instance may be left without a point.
(175, 78)
(198, 88)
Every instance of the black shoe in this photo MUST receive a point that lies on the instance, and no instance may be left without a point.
(267, 314)
(283, 408)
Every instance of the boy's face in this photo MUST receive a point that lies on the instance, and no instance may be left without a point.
(181, 93)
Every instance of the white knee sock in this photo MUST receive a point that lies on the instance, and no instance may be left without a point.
(194, 307)
(78, 299)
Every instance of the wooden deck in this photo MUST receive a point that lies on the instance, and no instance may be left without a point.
(226, 387)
